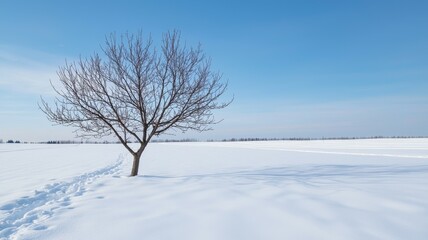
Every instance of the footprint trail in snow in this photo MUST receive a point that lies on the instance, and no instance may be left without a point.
(29, 211)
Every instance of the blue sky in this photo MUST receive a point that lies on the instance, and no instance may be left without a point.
(295, 68)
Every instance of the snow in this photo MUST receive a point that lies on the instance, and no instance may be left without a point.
(347, 189)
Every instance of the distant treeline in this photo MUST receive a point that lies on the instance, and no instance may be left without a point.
(281, 139)
(10, 141)
(75, 142)
(176, 140)
(215, 140)
(308, 138)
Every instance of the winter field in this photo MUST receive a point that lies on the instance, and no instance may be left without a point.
(350, 189)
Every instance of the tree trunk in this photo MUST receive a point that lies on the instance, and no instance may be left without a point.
(136, 162)
(135, 165)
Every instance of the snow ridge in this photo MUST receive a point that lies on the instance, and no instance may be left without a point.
(27, 212)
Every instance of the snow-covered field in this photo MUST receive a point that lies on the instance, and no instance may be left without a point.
(351, 189)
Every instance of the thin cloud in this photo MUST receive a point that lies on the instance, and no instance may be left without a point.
(27, 71)
(386, 116)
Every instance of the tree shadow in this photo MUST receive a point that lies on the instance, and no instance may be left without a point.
(309, 173)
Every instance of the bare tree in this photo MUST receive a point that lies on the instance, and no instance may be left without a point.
(135, 92)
